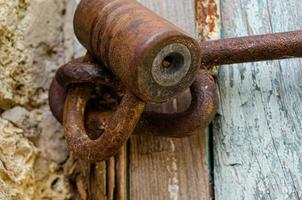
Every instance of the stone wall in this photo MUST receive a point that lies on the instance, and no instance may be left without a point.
(35, 38)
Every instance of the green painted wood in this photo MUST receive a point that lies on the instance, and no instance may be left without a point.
(258, 133)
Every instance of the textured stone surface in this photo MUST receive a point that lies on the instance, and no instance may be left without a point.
(35, 38)
(16, 151)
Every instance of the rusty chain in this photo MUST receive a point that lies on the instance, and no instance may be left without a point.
(135, 57)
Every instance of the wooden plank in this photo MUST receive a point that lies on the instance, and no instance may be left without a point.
(165, 168)
(101, 180)
(258, 134)
(178, 167)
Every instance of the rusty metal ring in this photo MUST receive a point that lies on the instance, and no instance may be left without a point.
(80, 70)
(56, 100)
(201, 112)
(84, 70)
(116, 132)
(199, 115)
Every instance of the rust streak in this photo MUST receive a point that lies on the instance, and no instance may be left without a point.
(207, 17)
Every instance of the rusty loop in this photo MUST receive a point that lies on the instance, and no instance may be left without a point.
(73, 86)
(198, 116)
(56, 100)
(96, 136)
(115, 133)
(200, 113)
(84, 70)
(77, 71)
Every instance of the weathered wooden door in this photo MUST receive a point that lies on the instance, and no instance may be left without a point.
(251, 151)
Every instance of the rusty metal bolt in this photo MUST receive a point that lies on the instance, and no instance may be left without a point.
(155, 59)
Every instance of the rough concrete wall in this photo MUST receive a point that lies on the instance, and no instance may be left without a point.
(35, 38)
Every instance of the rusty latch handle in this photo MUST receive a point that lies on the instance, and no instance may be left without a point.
(142, 58)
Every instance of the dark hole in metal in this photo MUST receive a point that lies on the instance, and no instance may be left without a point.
(172, 63)
(103, 99)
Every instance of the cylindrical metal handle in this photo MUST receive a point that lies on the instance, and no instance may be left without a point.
(154, 58)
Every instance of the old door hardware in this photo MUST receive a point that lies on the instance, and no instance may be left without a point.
(154, 58)
(135, 57)
(97, 133)
(198, 115)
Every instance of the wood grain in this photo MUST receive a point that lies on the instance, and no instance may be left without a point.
(159, 168)
(258, 134)
(165, 168)
(98, 181)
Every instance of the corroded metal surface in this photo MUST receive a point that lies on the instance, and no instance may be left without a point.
(115, 133)
(252, 48)
(155, 59)
(200, 113)
(77, 71)
(208, 19)
(56, 99)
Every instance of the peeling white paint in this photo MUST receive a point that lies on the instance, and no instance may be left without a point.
(258, 133)
(173, 186)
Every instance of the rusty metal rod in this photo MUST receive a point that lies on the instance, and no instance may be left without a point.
(252, 48)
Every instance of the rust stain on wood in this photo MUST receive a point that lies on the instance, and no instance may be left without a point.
(207, 18)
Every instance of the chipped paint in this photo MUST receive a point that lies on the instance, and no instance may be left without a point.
(257, 138)
(208, 19)
(173, 186)
(207, 13)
